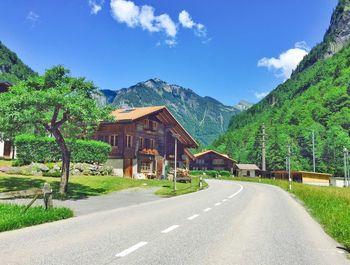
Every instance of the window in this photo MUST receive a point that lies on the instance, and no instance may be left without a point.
(152, 144)
(113, 140)
(154, 126)
(146, 166)
(146, 124)
(128, 141)
(218, 162)
(141, 143)
(200, 161)
(103, 138)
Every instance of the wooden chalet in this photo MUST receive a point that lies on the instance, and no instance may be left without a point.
(212, 160)
(6, 148)
(143, 141)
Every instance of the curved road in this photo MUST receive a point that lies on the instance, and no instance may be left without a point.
(229, 223)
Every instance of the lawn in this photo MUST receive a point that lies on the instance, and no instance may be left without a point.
(14, 217)
(330, 206)
(81, 187)
(5, 162)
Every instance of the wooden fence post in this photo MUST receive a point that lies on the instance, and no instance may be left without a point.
(47, 191)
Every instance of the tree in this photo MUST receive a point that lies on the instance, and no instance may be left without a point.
(55, 102)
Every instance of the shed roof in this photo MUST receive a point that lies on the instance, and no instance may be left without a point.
(212, 151)
(163, 114)
(248, 167)
(303, 172)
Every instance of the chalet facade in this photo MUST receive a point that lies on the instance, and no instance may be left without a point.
(212, 160)
(6, 148)
(143, 141)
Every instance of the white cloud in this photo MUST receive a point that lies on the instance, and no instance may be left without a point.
(128, 12)
(95, 6)
(287, 61)
(32, 17)
(186, 21)
(261, 95)
(170, 42)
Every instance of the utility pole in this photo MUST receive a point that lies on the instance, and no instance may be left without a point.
(175, 167)
(263, 148)
(313, 150)
(289, 173)
(346, 180)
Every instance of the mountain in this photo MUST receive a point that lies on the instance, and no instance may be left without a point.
(204, 117)
(11, 67)
(336, 37)
(243, 105)
(316, 97)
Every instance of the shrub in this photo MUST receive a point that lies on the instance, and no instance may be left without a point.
(225, 173)
(31, 148)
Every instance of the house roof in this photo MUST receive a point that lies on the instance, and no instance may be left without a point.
(212, 151)
(162, 114)
(248, 167)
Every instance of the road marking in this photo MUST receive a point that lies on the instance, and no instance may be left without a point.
(169, 229)
(217, 204)
(131, 249)
(193, 217)
(234, 194)
(224, 200)
(206, 209)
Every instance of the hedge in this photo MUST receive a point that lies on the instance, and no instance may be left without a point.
(31, 148)
(211, 173)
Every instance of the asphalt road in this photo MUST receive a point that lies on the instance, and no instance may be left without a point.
(229, 223)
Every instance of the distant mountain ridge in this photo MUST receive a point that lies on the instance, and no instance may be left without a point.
(11, 67)
(204, 117)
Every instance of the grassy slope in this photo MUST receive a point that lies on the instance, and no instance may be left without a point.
(84, 186)
(330, 206)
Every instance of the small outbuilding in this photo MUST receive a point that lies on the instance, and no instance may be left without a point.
(212, 160)
(306, 177)
(246, 170)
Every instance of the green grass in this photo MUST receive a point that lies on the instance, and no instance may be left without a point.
(330, 206)
(13, 216)
(5, 162)
(81, 187)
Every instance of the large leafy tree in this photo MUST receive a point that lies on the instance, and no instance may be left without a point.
(56, 103)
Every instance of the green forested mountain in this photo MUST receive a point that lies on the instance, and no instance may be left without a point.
(317, 97)
(11, 67)
(204, 117)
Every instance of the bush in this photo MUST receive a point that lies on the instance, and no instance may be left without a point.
(31, 148)
(225, 173)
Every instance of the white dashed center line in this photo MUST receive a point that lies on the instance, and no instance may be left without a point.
(169, 229)
(131, 249)
(217, 204)
(224, 200)
(206, 209)
(193, 217)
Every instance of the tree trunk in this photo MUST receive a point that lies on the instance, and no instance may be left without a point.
(65, 160)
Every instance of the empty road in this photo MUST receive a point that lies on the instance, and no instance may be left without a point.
(229, 223)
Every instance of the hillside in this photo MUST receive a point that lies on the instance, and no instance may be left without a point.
(11, 67)
(317, 97)
(204, 117)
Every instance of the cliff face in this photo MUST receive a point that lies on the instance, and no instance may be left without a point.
(336, 37)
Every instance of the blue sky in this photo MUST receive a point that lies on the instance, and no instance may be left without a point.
(229, 50)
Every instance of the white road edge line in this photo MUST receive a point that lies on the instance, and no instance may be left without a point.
(234, 194)
(217, 204)
(193, 217)
(170, 228)
(207, 209)
(131, 249)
